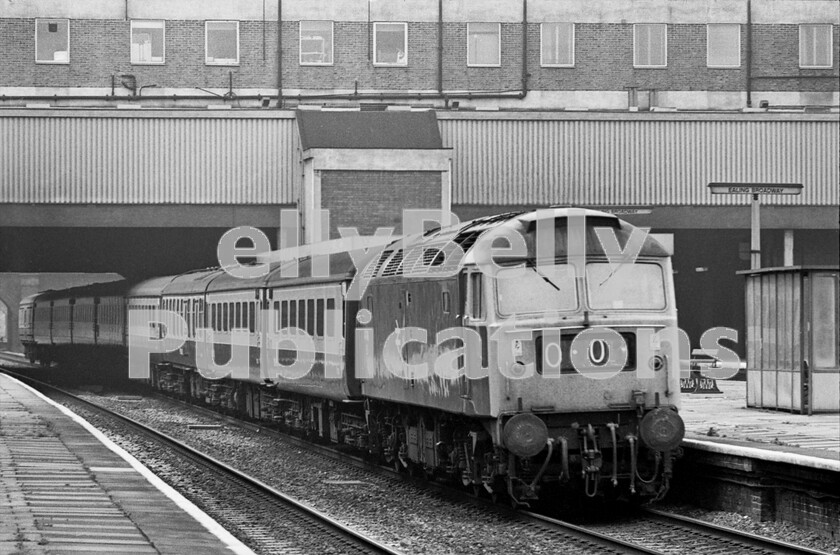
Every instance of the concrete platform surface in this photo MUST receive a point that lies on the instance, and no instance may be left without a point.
(726, 420)
(65, 488)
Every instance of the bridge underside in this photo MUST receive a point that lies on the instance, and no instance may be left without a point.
(711, 244)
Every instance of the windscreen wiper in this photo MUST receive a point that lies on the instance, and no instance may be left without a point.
(542, 275)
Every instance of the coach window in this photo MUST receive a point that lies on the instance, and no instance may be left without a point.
(557, 44)
(292, 314)
(52, 41)
(316, 43)
(475, 296)
(330, 328)
(310, 316)
(221, 44)
(483, 45)
(283, 317)
(188, 316)
(723, 45)
(237, 321)
(225, 321)
(301, 321)
(390, 44)
(319, 318)
(815, 46)
(650, 45)
(147, 42)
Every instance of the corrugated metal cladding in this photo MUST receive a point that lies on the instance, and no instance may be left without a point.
(148, 159)
(645, 160)
(161, 157)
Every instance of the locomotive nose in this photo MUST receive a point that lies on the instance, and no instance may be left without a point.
(525, 435)
(662, 429)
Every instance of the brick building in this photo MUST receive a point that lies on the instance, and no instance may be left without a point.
(533, 54)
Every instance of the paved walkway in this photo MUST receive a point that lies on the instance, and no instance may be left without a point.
(62, 490)
(726, 418)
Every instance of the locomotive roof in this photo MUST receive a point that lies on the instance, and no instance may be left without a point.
(423, 249)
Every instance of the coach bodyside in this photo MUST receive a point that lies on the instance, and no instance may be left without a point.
(311, 308)
(184, 295)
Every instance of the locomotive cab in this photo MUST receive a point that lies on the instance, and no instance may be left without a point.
(586, 390)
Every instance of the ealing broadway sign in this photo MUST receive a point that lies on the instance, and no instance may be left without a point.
(755, 188)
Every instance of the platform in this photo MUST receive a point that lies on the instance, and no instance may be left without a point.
(725, 420)
(65, 488)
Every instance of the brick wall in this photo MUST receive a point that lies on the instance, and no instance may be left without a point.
(370, 199)
(603, 59)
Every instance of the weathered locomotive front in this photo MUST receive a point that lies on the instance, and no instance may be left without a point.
(520, 350)
(583, 336)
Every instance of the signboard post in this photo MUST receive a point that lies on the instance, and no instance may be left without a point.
(755, 189)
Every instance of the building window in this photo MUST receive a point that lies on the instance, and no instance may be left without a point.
(723, 45)
(316, 43)
(650, 45)
(52, 41)
(147, 42)
(483, 44)
(557, 42)
(815, 46)
(390, 44)
(222, 43)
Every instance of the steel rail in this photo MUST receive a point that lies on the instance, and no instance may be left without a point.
(364, 543)
(580, 532)
(602, 542)
(768, 545)
(746, 538)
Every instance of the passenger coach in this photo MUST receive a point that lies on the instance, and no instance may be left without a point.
(525, 354)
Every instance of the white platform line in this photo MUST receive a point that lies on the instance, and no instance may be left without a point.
(185, 504)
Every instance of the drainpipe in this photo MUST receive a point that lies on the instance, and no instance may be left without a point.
(524, 49)
(748, 61)
(440, 48)
(279, 54)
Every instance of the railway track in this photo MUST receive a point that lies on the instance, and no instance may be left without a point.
(264, 518)
(740, 542)
(648, 531)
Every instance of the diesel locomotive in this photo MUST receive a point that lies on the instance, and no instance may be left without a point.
(527, 354)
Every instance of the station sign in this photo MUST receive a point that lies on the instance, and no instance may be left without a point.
(755, 188)
(624, 210)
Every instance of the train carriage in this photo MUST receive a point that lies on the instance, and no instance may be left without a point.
(26, 325)
(509, 353)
